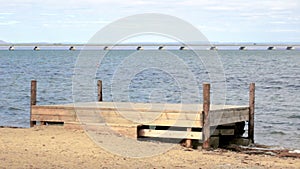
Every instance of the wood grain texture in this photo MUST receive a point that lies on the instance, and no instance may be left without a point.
(206, 118)
(106, 112)
(251, 112)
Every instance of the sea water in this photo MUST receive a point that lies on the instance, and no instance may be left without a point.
(276, 74)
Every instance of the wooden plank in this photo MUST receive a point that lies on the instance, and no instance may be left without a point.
(176, 123)
(221, 117)
(124, 122)
(170, 134)
(50, 118)
(153, 118)
(102, 109)
(90, 125)
(145, 118)
(229, 112)
(130, 115)
(150, 116)
(59, 111)
(89, 114)
(143, 107)
(182, 134)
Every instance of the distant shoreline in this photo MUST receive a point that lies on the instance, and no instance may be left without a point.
(151, 46)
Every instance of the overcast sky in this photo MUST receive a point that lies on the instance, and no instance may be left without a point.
(218, 20)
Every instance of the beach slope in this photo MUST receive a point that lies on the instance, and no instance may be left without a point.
(56, 147)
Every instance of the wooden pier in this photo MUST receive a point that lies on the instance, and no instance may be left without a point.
(188, 122)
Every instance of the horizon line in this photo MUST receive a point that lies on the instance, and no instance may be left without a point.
(154, 44)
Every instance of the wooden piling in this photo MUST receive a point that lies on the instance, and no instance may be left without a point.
(99, 84)
(205, 115)
(251, 112)
(188, 142)
(32, 100)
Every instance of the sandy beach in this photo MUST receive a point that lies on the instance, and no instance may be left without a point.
(56, 147)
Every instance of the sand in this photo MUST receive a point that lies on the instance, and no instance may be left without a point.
(56, 147)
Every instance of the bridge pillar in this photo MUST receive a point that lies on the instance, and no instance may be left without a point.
(213, 48)
(243, 48)
(161, 48)
(290, 48)
(139, 48)
(72, 48)
(182, 48)
(271, 48)
(11, 48)
(36, 48)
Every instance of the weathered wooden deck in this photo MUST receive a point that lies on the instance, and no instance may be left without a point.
(148, 119)
(133, 114)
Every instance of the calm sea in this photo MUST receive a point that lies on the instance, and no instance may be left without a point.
(276, 74)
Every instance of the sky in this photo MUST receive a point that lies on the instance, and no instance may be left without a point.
(76, 21)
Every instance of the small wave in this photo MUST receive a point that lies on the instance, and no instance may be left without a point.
(294, 117)
(272, 87)
(276, 122)
(267, 127)
(278, 132)
(15, 108)
(293, 86)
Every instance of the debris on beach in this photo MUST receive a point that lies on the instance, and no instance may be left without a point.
(266, 150)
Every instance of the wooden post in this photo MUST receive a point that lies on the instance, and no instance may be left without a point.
(99, 84)
(32, 100)
(205, 115)
(188, 142)
(251, 112)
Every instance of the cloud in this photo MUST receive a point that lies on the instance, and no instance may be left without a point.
(87, 22)
(278, 22)
(6, 13)
(3, 23)
(221, 8)
(212, 17)
(75, 23)
(285, 30)
(49, 14)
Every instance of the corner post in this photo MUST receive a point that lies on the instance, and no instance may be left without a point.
(251, 112)
(32, 100)
(99, 84)
(205, 116)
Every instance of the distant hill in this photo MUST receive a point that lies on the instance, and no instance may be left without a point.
(2, 42)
